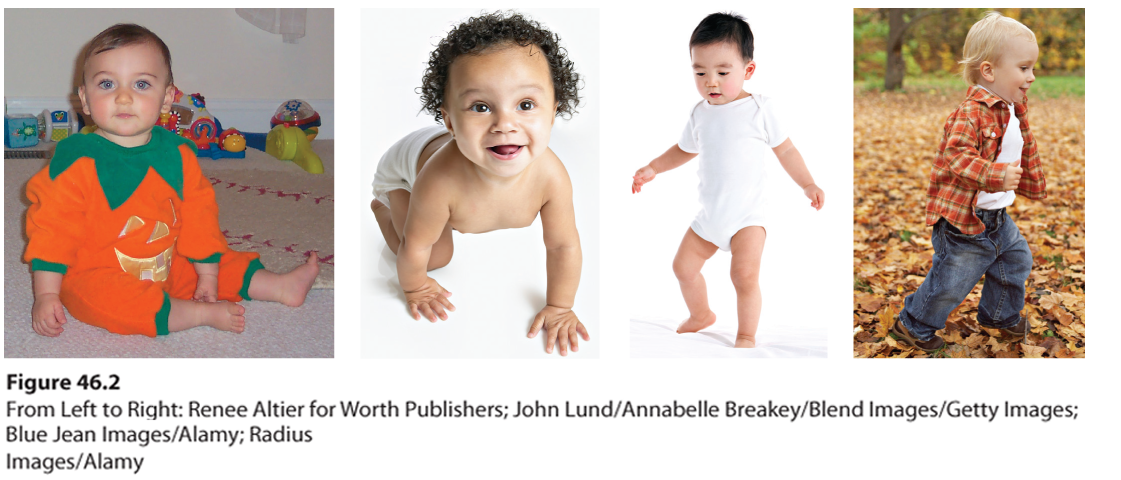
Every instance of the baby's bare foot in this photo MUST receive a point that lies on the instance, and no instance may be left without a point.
(223, 316)
(294, 285)
(745, 341)
(696, 324)
(187, 314)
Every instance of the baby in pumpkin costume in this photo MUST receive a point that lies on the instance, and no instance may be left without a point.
(123, 226)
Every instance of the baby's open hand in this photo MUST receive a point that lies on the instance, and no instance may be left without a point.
(430, 300)
(641, 177)
(816, 196)
(562, 326)
(1012, 176)
(47, 315)
(206, 290)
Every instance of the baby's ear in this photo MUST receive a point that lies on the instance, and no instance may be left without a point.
(82, 98)
(168, 99)
(749, 70)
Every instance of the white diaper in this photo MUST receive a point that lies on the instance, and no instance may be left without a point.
(397, 167)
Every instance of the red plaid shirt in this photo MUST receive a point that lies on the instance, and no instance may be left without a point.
(964, 165)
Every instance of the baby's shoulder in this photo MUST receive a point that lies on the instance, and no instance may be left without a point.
(550, 175)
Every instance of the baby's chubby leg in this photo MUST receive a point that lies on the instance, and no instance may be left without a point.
(691, 256)
(385, 223)
(747, 253)
(391, 220)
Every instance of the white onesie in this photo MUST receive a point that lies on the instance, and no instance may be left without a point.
(397, 168)
(733, 141)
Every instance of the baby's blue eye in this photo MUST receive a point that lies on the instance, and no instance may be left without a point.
(143, 85)
(526, 105)
(105, 84)
(480, 108)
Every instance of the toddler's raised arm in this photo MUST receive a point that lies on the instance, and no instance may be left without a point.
(673, 158)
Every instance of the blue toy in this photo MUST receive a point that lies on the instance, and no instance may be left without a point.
(21, 131)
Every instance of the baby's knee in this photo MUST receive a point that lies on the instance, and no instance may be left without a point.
(685, 271)
(745, 279)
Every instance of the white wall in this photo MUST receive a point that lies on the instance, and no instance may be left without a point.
(213, 52)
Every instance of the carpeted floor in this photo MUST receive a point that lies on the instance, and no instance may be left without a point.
(268, 206)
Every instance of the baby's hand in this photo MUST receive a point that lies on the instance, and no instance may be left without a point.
(207, 288)
(1012, 176)
(562, 325)
(641, 177)
(430, 300)
(47, 315)
(816, 196)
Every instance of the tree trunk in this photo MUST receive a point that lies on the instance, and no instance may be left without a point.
(893, 74)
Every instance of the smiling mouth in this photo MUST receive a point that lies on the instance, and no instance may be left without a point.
(505, 152)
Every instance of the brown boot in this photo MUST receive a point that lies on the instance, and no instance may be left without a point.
(1017, 331)
(900, 333)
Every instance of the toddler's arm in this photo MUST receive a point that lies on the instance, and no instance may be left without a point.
(673, 158)
(795, 166)
(962, 155)
(47, 315)
(429, 212)
(563, 261)
(207, 288)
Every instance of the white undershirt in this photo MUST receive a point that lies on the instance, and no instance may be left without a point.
(1011, 149)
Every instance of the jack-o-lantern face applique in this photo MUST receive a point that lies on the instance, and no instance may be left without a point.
(153, 268)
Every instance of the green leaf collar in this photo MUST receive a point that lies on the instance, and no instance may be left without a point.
(120, 170)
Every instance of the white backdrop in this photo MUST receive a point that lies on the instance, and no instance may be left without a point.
(498, 278)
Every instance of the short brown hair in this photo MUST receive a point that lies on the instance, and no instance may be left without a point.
(123, 35)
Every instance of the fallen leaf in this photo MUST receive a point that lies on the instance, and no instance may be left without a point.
(1031, 351)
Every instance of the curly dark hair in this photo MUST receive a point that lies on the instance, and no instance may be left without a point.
(477, 34)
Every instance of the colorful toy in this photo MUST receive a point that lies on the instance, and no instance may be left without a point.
(294, 125)
(21, 131)
(190, 119)
(57, 125)
(292, 144)
(297, 113)
(232, 140)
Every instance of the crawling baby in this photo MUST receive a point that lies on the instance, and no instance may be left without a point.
(497, 83)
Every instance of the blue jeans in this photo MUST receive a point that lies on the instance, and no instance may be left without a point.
(999, 253)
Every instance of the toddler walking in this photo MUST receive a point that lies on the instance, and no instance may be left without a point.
(987, 157)
(732, 131)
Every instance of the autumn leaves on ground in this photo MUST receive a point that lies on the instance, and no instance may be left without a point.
(895, 140)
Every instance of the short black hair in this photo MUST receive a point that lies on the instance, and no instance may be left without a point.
(477, 34)
(725, 27)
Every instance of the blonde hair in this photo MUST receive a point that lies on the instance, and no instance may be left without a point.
(985, 43)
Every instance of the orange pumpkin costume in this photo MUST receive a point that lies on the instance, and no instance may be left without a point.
(123, 225)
